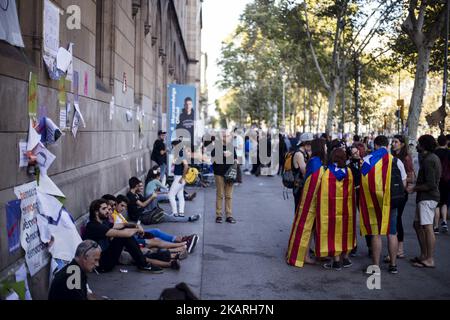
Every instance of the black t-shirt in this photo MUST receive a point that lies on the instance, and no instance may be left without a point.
(444, 156)
(134, 211)
(59, 289)
(186, 121)
(221, 168)
(97, 231)
(158, 146)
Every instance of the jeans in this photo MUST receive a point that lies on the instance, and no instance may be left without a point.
(172, 218)
(160, 197)
(177, 189)
(161, 235)
(401, 208)
(163, 168)
(110, 257)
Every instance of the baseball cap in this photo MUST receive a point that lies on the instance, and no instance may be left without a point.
(160, 132)
(305, 137)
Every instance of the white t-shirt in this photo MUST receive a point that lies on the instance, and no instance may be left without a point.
(401, 167)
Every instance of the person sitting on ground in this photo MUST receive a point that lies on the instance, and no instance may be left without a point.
(139, 206)
(155, 238)
(120, 205)
(87, 257)
(113, 241)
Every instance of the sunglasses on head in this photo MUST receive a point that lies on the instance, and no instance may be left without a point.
(93, 246)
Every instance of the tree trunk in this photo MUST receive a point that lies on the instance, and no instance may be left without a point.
(420, 82)
(332, 104)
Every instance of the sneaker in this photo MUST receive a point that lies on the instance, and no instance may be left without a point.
(367, 270)
(230, 220)
(194, 217)
(333, 265)
(181, 215)
(353, 252)
(191, 243)
(346, 263)
(436, 230)
(187, 238)
(151, 269)
(444, 227)
(393, 269)
(182, 255)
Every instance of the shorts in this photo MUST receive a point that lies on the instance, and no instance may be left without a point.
(425, 212)
(393, 222)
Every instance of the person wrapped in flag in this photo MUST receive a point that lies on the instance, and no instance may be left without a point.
(302, 228)
(379, 173)
(336, 213)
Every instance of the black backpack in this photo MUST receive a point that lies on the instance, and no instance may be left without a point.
(153, 217)
(397, 187)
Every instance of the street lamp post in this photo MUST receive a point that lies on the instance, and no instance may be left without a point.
(284, 101)
(444, 90)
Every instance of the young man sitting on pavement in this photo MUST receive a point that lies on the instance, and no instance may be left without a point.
(114, 238)
(154, 237)
(139, 206)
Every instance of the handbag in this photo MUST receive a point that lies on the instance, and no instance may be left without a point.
(231, 174)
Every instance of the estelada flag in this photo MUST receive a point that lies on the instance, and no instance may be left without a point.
(375, 193)
(305, 214)
(336, 213)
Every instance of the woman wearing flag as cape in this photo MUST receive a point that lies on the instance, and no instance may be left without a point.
(336, 213)
(377, 216)
(306, 212)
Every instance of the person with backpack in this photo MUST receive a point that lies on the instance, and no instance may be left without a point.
(427, 199)
(299, 158)
(399, 150)
(444, 185)
(383, 181)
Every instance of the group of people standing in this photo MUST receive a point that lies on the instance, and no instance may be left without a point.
(334, 182)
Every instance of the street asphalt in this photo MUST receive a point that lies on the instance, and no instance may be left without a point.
(246, 261)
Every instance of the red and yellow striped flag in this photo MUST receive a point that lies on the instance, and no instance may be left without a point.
(375, 193)
(336, 213)
(305, 214)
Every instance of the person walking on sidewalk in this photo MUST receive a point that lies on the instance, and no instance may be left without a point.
(427, 199)
(224, 156)
(159, 155)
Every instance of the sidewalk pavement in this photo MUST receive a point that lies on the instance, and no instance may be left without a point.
(247, 260)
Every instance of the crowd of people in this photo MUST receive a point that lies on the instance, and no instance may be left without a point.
(335, 180)
(332, 182)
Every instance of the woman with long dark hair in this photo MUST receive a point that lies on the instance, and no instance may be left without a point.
(399, 150)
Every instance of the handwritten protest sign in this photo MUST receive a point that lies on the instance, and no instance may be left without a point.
(36, 252)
